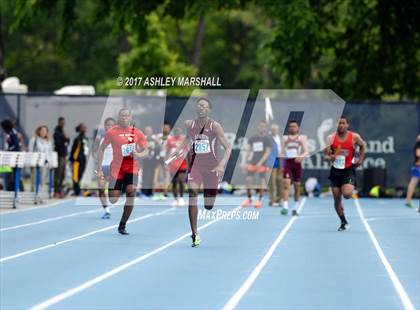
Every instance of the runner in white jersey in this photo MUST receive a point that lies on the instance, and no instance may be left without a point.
(106, 166)
(161, 170)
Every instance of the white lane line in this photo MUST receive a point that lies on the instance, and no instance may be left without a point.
(408, 305)
(389, 218)
(51, 219)
(38, 207)
(239, 294)
(51, 245)
(67, 294)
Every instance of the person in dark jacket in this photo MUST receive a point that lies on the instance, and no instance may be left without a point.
(78, 157)
(11, 144)
(61, 142)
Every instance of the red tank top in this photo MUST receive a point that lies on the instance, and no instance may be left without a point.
(204, 152)
(173, 143)
(344, 151)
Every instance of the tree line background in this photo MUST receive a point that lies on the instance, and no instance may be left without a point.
(361, 49)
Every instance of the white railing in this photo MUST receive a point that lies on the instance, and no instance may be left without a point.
(19, 160)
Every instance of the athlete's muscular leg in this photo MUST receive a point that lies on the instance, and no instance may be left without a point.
(248, 181)
(192, 206)
(181, 181)
(297, 190)
(279, 185)
(347, 190)
(114, 195)
(166, 178)
(175, 186)
(262, 186)
(338, 205)
(129, 202)
(287, 183)
(209, 198)
(411, 188)
(102, 195)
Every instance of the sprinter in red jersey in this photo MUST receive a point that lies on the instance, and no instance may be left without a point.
(340, 152)
(128, 145)
(177, 167)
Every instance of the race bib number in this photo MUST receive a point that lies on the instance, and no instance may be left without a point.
(339, 162)
(257, 146)
(162, 153)
(201, 147)
(127, 149)
(291, 153)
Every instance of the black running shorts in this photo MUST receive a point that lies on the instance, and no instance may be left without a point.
(339, 177)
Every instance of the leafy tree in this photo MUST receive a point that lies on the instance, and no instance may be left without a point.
(360, 49)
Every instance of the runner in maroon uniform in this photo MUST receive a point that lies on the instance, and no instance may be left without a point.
(128, 145)
(205, 167)
(342, 174)
(295, 149)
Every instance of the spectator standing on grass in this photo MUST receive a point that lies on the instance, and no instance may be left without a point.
(61, 142)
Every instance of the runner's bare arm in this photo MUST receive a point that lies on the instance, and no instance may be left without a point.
(357, 139)
(142, 146)
(101, 150)
(95, 147)
(186, 145)
(248, 152)
(418, 155)
(283, 147)
(142, 154)
(183, 148)
(328, 154)
(223, 141)
(265, 156)
(305, 149)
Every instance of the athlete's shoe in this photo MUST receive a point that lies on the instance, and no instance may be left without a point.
(258, 204)
(295, 213)
(106, 216)
(181, 202)
(284, 211)
(122, 230)
(247, 202)
(409, 205)
(175, 203)
(343, 226)
(195, 240)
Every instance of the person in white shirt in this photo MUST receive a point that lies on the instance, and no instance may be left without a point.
(276, 178)
(40, 143)
(106, 165)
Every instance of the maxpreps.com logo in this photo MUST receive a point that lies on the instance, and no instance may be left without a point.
(228, 215)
